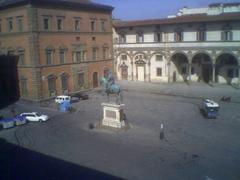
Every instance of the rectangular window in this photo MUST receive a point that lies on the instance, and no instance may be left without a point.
(81, 79)
(122, 38)
(92, 25)
(201, 36)
(59, 24)
(62, 56)
(10, 25)
(46, 23)
(227, 36)
(105, 53)
(94, 54)
(124, 57)
(159, 72)
(21, 58)
(178, 36)
(158, 37)
(77, 25)
(23, 84)
(103, 26)
(64, 79)
(49, 57)
(140, 38)
(78, 56)
(159, 57)
(51, 85)
(20, 24)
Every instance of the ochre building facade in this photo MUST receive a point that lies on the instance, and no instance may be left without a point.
(63, 46)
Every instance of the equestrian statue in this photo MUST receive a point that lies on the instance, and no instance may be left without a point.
(109, 87)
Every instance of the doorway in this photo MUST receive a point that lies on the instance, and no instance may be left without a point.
(95, 80)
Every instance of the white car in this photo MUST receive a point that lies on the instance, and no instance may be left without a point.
(61, 99)
(34, 116)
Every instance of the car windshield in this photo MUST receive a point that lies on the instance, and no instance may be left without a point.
(37, 114)
(212, 109)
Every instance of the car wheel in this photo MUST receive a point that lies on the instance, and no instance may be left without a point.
(40, 120)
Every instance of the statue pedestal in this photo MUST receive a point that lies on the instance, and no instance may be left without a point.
(113, 115)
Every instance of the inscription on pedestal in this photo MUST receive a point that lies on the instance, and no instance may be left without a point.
(111, 114)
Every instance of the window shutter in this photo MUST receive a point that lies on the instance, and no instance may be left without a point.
(222, 36)
(156, 37)
(231, 35)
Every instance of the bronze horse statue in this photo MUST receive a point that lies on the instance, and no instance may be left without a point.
(109, 87)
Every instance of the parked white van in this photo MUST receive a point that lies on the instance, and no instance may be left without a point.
(62, 98)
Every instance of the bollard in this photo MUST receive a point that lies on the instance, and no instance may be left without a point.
(161, 132)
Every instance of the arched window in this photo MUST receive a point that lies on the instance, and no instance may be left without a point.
(52, 85)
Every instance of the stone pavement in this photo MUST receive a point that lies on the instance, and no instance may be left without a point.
(194, 90)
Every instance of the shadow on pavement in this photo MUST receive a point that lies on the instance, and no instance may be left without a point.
(20, 163)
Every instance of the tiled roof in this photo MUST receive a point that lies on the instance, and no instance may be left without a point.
(83, 4)
(179, 19)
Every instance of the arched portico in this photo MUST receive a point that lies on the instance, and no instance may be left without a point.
(179, 66)
(227, 69)
(202, 68)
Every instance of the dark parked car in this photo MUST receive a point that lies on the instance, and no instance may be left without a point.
(81, 95)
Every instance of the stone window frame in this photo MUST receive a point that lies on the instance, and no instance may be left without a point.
(158, 36)
(159, 72)
(123, 55)
(122, 38)
(77, 24)
(94, 53)
(10, 51)
(227, 34)
(93, 24)
(178, 35)
(139, 37)
(47, 24)
(79, 56)
(24, 85)
(158, 55)
(80, 79)
(49, 51)
(20, 23)
(52, 88)
(60, 19)
(62, 49)
(103, 25)
(64, 82)
(105, 50)
(21, 55)
(10, 24)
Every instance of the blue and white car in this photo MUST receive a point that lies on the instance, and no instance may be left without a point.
(210, 109)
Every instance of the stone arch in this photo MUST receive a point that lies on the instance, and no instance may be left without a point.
(121, 53)
(179, 62)
(202, 52)
(156, 53)
(227, 68)
(228, 52)
(178, 52)
(202, 67)
(144, 55)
